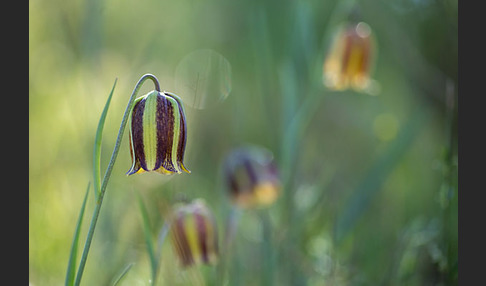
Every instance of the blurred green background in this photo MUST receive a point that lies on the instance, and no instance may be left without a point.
(370, 181)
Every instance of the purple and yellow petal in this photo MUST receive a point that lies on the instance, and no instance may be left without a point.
(157, 134)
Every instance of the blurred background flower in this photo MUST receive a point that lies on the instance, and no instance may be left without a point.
(251, 177)
(194, 233)
(350, 57)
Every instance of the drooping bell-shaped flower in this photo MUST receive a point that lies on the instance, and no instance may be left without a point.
(251, 177)
(194, 233)
(157, 134)
(350, 58)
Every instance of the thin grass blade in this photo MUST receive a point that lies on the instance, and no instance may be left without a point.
(97, 145)
(160, 241)
(147, 233)
(74, 247)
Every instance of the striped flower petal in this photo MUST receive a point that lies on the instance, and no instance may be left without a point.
(157, 134)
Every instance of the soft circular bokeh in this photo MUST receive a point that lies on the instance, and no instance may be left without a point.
(203, 78)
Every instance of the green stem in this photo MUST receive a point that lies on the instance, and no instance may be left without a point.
(267, 253)
(99, 202)
(227, 251)
(295, 129)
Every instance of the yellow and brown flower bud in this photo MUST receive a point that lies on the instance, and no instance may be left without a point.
(194, 234)
(157, 134)
(350, 57)
(251, 177)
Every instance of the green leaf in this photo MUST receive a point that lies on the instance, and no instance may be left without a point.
(147, 233)
(74, 247)
(97, 145)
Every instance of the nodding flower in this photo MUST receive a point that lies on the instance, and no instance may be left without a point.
(194, 234)
(350, 57)
(251, 177)
(157, 134)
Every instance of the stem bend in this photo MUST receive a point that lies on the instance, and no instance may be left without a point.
(109, 169)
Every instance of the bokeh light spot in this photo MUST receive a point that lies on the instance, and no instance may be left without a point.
(203, 78)
(363, 30)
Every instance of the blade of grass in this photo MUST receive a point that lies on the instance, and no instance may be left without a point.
(147, 233)
(122, 274)
(97, 145)
(160, 241)
(74, 247)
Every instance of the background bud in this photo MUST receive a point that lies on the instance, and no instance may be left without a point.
(251, 177)
(194, 233)
(349, 59)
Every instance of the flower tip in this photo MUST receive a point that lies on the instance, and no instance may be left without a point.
(185, 169)
(133, 171)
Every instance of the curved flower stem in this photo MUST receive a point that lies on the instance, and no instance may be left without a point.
(99, 201)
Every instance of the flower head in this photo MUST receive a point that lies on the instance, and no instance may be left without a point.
(158, 133)
(194, 233)
(349, 59)
(251, 177)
